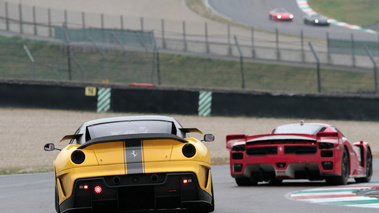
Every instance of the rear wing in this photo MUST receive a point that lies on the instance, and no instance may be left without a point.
(231, 138)
(329, 137)
(148, 136)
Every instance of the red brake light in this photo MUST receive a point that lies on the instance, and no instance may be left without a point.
(85, 187)
(98, 189)
(185, 181)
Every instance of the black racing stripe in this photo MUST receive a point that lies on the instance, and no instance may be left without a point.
(134, 156)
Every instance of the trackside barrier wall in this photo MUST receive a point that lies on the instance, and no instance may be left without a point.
(77, 96)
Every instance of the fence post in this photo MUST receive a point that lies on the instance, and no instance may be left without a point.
(302, 46)
(20, 17)
(68, 51)
(122, 22)
(184, 36)
(252, 42)
(157, 58)
(318, 67)
(163, 36)
(83, 20)
(375, 71)
(206, 38)
(277, 44)
(65, 18)
(84, 25)
(34, 21)
(241, 62)
(102, 27)
(352, 50)
(328, 47)
(141, 23)
(6, 16)
(49, 22)
(229, 43)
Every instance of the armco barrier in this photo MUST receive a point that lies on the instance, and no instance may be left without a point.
(155, 100)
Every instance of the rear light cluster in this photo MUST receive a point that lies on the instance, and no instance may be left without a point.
(97, 189)
(237, 156)
(326, 145)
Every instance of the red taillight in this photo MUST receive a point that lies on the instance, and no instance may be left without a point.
(85, 187)
(98, 189)
(186, 180)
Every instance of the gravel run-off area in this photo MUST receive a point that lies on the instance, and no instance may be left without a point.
(25, 131)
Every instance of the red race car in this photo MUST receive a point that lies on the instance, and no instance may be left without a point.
(313, 151)
(280, 14)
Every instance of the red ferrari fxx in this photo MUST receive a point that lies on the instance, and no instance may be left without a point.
(313, 151)
(280, 14)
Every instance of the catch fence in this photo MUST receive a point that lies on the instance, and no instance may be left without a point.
(100, 47)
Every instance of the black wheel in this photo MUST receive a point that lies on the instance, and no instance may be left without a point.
(246, 182)
(57, 201)
(368, 169)
(343, 179)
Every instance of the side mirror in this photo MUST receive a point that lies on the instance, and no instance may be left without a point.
(209, 138)
(49, 147)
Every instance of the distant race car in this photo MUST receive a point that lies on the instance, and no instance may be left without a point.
(280, 14)
(316, 19)
(133, 163)
(313, 151)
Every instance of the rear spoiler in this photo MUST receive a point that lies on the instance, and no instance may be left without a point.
(191, 130)
(329, 136)
(148, 136)
(70, 137)
(230, 138)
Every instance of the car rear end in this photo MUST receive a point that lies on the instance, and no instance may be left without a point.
(136, 174)
(285, 156)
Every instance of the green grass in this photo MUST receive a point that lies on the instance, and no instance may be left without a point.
(358, 12)
(176, 70)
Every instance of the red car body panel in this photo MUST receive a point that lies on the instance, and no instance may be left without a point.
(296, 156)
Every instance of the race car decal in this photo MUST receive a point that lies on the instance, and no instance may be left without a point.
(133, 157)
(359, 195)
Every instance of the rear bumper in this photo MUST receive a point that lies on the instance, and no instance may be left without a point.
(137, 192)
(288, 166)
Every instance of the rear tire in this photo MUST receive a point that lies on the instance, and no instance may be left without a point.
(343, 179)
(246, 182)
(368, 169)
(57, 201)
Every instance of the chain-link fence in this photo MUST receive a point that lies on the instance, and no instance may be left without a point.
(107, 48)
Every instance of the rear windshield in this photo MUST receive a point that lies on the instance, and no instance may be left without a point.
(129, 127)
(299, 129)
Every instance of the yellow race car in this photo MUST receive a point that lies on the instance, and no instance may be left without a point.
(132, 163)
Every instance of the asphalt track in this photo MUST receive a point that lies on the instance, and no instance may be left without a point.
(255, 13)
(35, 193)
